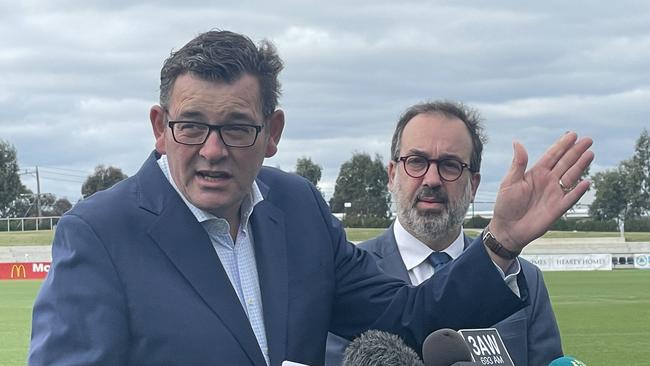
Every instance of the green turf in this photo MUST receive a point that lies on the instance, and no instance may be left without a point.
(358, 234)
(44, 237)
(15, 238)
(604, 317)
(629, 236)
(16, 300)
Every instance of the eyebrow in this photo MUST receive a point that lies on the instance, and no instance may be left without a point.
(414, 151)
(192, 115)
(200, 116)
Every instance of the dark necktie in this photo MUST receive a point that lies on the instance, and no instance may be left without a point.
(438, 260)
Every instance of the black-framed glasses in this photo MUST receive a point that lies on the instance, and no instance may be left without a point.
(416, 166)
(232, 135)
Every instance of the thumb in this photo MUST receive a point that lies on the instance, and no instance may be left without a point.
(519, 163)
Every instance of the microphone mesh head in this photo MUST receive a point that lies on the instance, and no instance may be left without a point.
(377, 348)
(444, 347)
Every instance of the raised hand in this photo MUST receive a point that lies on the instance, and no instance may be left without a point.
(528, 202)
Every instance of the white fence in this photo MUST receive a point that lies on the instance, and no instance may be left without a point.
(28, 223)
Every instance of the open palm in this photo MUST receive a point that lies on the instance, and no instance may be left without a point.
(528, 202)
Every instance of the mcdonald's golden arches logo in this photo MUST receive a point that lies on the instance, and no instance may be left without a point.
(17, 269)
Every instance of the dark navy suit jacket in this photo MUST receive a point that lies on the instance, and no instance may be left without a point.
(135, 281)
(531, 335)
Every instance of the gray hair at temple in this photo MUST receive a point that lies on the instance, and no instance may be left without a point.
(225, 56)
(471, 117)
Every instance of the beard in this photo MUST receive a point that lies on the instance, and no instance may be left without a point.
(427, 225)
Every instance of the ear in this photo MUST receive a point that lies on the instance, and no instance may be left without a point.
(475, 181)
(392, 170)
(157, 118)
(275, 125)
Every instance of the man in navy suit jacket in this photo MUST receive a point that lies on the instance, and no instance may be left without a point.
(431, 205)
(204, 257)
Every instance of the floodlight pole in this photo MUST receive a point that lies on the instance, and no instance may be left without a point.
(38, 198)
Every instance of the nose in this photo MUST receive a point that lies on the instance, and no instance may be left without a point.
(432, 178)
(213, 149)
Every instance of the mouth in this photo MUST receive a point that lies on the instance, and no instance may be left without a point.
(429, 199)
(213, 176)
(432, 200)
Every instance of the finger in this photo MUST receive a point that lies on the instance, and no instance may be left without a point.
(518, 166)
(573, 174)
(557, 150)
(571, 156)
(572, 197)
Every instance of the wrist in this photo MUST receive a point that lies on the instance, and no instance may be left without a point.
(493, 244)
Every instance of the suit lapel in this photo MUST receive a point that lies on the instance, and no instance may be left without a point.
(271, 257)
(390, 261)
(182, 238)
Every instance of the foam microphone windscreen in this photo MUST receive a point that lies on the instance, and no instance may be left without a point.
(445, 347)
(377, 348)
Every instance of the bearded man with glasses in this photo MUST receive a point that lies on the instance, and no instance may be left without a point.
(204, 257)
(433, 177)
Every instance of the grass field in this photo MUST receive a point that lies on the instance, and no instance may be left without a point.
(44, 237)
(16, 299)
(604, 317)
(355, 234)
(16, 238)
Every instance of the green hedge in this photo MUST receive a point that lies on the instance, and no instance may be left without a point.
(576, 224)
(638, 225)
(476, 222)
(366, 221)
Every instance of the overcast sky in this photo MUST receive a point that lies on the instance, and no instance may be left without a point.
(77, 78)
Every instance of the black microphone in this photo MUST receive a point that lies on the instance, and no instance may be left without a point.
(486, 346)
(377, 348)
(446, 347)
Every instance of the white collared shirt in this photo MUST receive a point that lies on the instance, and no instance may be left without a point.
(237, 257)
(414, 254)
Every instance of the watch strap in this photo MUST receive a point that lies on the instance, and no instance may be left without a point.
(491, 242)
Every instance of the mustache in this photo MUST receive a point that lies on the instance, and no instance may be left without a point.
(432, 193)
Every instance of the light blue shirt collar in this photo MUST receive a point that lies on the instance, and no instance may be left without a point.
(250, 201)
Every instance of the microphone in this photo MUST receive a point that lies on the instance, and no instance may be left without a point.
(446, 347)
(567, 361)
(486, 346)
(377, 348)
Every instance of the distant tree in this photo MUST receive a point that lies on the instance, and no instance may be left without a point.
(102, 178)
(309, 170)
(22, 206)
(25, 205)
(624, 193)
(639, 174)
(10, 185)
(60, 206)
(611, 195)
(362, 183)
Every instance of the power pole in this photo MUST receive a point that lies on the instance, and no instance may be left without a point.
(38, 193)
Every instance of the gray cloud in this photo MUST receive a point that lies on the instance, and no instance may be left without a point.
(78, 77)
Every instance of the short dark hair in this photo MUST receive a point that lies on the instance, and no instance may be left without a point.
(449, 109)
(225, 56)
